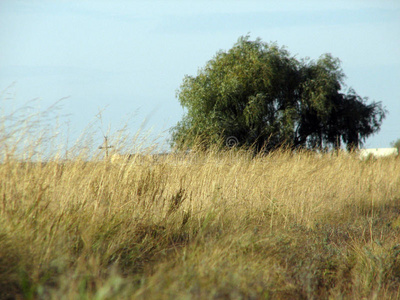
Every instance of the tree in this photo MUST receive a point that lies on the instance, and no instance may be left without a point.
(265, 98)
(396, 144)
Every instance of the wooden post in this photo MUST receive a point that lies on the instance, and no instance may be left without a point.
(105, 146)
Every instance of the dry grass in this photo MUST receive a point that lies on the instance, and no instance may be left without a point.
(211, 226)
(215, 225)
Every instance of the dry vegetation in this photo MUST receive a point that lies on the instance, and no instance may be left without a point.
(211, 226)
(205, 226)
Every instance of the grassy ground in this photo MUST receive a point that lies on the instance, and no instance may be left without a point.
(211, 226)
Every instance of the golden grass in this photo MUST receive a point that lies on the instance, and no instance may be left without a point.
(215, 225)
(204, 225)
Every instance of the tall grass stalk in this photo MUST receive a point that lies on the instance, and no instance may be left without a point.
(201, 225)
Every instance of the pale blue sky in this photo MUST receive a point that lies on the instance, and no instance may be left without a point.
(130, 57)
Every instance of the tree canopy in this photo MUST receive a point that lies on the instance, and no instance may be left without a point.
(260, 96)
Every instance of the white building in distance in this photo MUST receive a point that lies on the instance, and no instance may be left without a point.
(378, 152)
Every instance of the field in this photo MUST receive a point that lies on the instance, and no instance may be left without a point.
(215, 225)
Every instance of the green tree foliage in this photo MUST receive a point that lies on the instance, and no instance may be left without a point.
(266, 98)
(396, 144)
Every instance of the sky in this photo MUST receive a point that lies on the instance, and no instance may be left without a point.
(127, 59)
